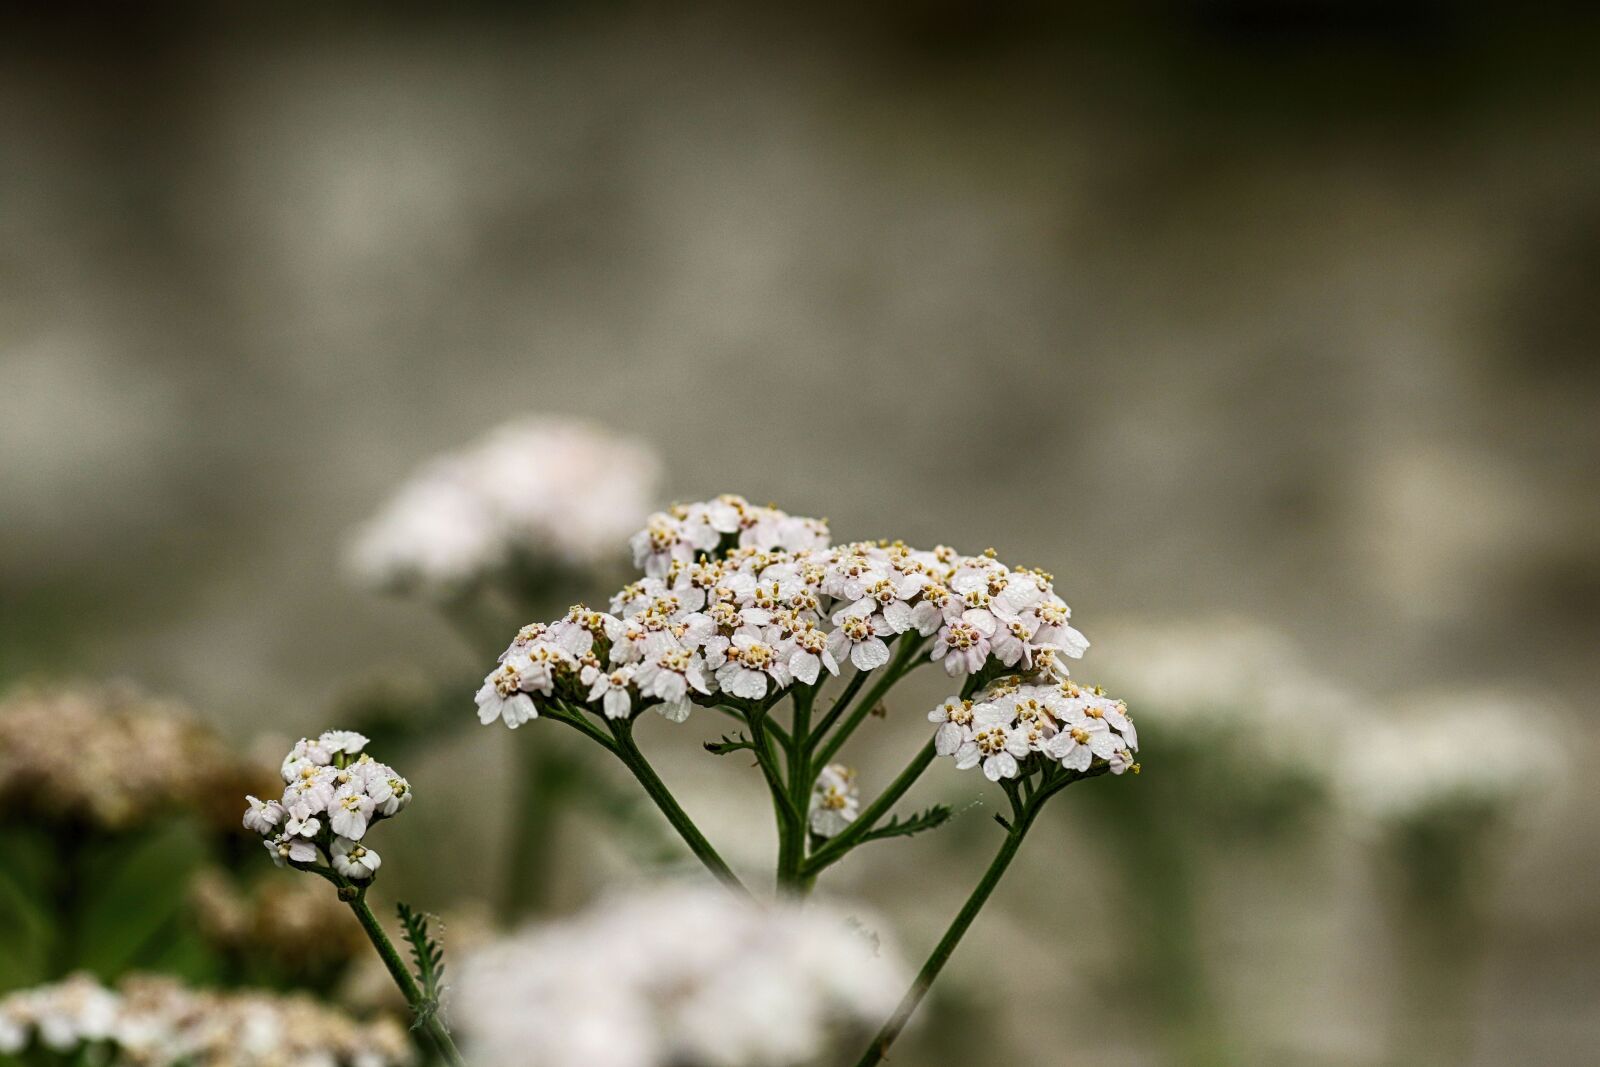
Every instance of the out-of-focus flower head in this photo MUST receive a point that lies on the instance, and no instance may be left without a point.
(155, 1022)
(334, 793)
(543, 492)
(671, 976)
(295, 923)
(1473, 753)
(1203, 679)
(745, 601)
(109, 756)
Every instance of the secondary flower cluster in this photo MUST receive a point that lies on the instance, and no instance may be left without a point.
(334, 792)
(1014, 721)
(112, 757)
(746, 601)
(546, 491)
(673, 975)
(154, 1022)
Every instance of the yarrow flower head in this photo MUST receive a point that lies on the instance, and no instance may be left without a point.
(333, 793)
(674, 975)
(543, 491)
(155, 1022)
(740, 603)
(1015, 725)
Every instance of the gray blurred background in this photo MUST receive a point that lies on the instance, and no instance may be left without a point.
(1286, 311)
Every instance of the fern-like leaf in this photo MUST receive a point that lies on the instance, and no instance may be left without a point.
(730, 743)
(428, 956)
(935, 816)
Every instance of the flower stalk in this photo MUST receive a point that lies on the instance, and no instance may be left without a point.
(628, 752)
(424, 1013)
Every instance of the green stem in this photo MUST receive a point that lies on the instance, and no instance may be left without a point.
(851, 688)
(851, 836)
(899, 667)
(790, 822)
(792, 872)
(634, 760)
(879, 1048)
(403, 978)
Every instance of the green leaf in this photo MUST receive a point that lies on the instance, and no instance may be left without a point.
(428, 956)
(730, 743)
(933, 817)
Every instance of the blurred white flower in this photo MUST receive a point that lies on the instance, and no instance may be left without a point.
(155, 1022)
(545, 490)
(835, 800)
(1200, 678)
(671, 976)
(1468, 752)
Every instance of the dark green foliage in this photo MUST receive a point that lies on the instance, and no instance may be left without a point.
(72, 898)
(428, 957)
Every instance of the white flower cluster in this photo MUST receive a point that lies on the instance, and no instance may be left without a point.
(1013, 719)
(835, 800)
(334, 792)
(670, 976)
(747, 601)
(154, 1022)
(547, 490)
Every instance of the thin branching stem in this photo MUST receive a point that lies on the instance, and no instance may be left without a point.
(628, 752)
(857, 831)
(879, 1048)
(1023, 813)
(842, 702)
(903, 662)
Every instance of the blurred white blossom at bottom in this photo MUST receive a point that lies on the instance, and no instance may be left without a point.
(672, 975)
(156, 1022)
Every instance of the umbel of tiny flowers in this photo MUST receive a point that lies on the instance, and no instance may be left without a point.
(741, 607)
(334, 793)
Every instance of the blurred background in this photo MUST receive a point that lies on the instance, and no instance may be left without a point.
(1240, 318)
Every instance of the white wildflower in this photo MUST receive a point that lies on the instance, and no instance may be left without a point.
(501, 697)
(354, 860)
(610, 690)
(327, 810)
(835, 800)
